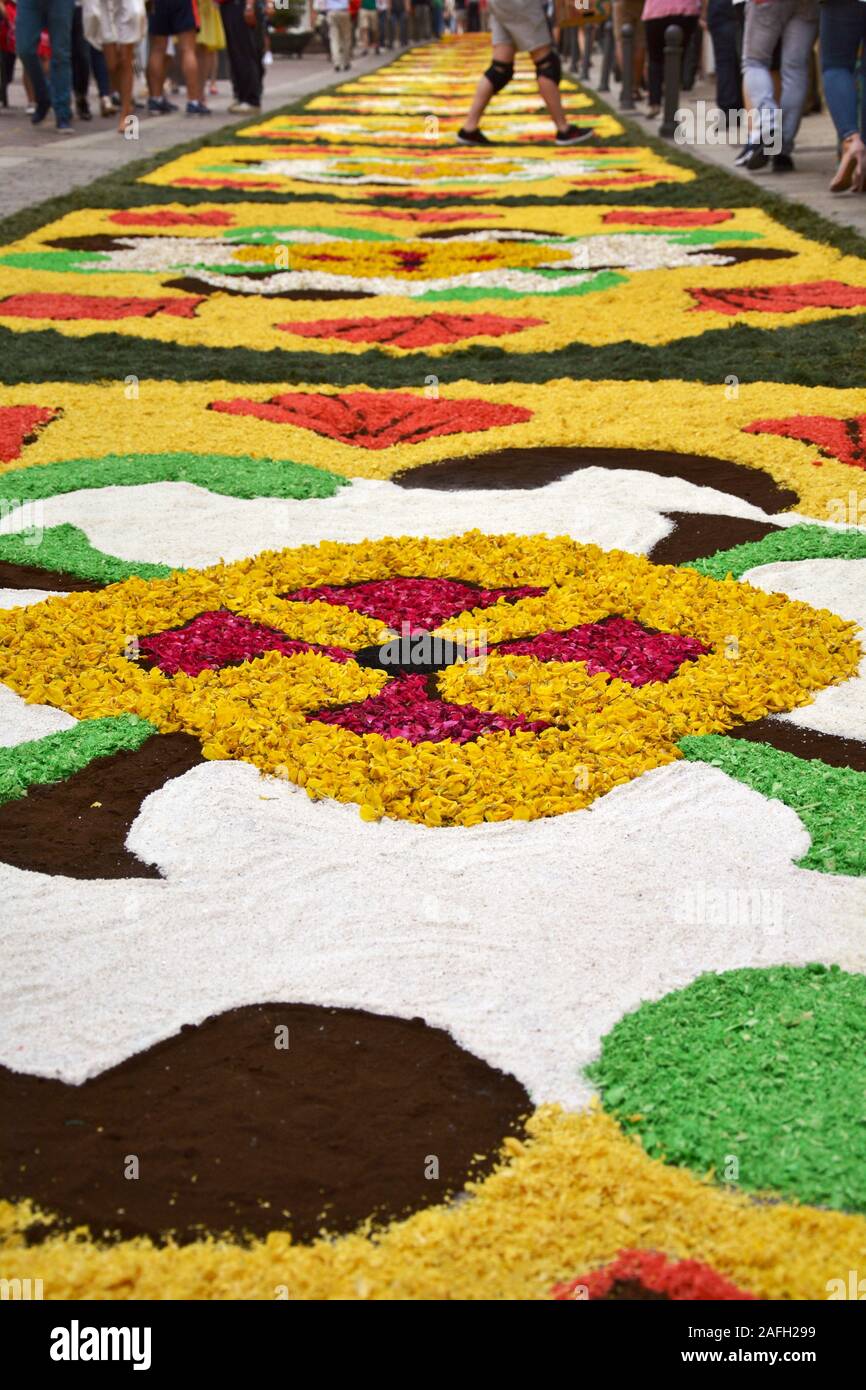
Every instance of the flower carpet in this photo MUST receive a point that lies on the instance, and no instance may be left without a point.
(432, 717)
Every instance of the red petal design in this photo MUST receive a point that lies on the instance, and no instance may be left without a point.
(679, 1280)
(168, 218)
(411, 331)
(618, 646)
(94, 306)
(405, 710)
(844, 440)
(212, 640)
(781, 299)
(423, 603)
(670, 217)
(18, 425)
(377, 419)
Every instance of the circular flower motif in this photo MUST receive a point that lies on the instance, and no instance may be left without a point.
(447, 682)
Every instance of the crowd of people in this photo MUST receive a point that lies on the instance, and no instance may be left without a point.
(767, 56)
(65, 45)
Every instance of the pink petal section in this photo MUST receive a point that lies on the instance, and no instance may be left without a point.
(616, 645)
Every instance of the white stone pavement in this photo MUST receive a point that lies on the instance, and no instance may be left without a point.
(38, 163)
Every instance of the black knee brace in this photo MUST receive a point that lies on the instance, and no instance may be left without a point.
(551, 67)
(499, 74)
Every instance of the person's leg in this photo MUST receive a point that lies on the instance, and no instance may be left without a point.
(798, 39)
(346, 34)
(497, 76)
(764, 25)
(30, 18)
(723, 35)
(547, 69)
(80, 61)
(60, 32)
(118, 56)
(242, 58)
(840, 41)
(655, 40)
(185, 44)
(156, 65)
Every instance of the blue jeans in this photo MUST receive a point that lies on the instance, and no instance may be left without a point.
(795, 22)
(32, 16)
(843, 35)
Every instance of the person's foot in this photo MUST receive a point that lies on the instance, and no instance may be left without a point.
(106, 106)
(755, 159)
(197, 108)
(30, 109)
(242, 108)
(64, 127)
(783, 164)
(472, 137)
(743, 154)
(82, 106)
(40, 111)
(652, 112)
(573, 135)
(213, 90)
(160, 106)
(852, 166)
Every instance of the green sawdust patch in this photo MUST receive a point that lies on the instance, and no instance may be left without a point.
(830, 801)
(66, 548)
(793, 543)
(765, 1067)
(232, 476)
(59, 756)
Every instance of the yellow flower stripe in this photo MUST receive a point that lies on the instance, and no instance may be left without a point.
(232, 166)
(666, 415)
(69, 653)
(337, 128)
(648, 306)
(564, 1202)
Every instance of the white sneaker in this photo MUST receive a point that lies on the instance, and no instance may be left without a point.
(240, 108)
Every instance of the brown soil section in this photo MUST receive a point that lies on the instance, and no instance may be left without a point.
(696, 534)
(528, 468)
(632, 1291)
(34, 577)
(235, 1134)
(805, 743)
(192, 285)
(79, 827)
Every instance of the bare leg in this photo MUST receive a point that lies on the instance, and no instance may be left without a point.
(549, 91)
(118, 56)
(189, 65)
(502, 53)
(156, 65)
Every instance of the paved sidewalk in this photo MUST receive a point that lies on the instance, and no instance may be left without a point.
(814, 156)
(36, 163)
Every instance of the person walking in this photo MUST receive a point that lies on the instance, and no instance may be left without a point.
(725, 25)
(368, 28)
(31, 17)
(241, 23)
(115, 27)
(177, 19)
(340, 34)
(399, 24)
(795, 23)
(520, 26)
(657, 15)
(843, 41)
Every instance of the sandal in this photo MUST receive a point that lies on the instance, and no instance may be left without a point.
(852, 167)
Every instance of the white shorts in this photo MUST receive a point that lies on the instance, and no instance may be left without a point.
(522, 23)
(114, 21)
